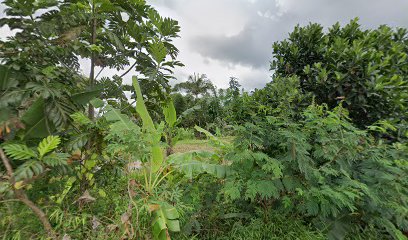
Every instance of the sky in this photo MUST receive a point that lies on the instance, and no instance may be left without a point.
(233, 38)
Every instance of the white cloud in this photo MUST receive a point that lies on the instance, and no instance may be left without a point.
(224, 38)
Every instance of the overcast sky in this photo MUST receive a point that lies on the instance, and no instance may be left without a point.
(224, 38)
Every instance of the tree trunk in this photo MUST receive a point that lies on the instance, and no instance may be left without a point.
(22, 197)
(169, 149)
(91, 109)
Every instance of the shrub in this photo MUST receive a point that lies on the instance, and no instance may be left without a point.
(323, 168)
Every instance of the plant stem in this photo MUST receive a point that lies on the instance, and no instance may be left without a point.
(21, 196)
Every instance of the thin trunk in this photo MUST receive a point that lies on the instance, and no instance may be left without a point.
(169, 149)
(21, 196)
(91, 109)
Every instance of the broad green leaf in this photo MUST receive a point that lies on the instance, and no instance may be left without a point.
(148, 125)
(84, 97)
(157, 157)
(141, 107)
(122, 121)
(35, 121)
(169, 112)
(5, 80)
(96, 102)
(194, 163)
(166, 217)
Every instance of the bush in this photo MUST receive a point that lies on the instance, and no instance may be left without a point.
(323, 168)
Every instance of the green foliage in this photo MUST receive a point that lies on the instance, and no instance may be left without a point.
(47, 145)
(169, 112)
(322, 167)
(36, 160)
(166, 219)
(19, 151)
(365, 69)
(194, 163)
(306, 147)
(154, 135)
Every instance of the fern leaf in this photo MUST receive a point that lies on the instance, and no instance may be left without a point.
(19, 151)
(28, 169)
(81, 119)
(47, 145)
(56, 159)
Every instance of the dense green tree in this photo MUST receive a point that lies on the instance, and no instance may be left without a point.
(365, 69)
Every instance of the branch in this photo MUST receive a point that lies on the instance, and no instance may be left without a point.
(97, 75)
(127, 71)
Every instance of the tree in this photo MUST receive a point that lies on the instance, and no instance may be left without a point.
(196, 85)
(112, 34)
(365, 69)
(234, 85)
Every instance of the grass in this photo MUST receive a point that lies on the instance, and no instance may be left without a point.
(192, 145)
(197, 144)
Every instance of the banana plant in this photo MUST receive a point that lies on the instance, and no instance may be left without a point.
(154, 135)
(165, 216)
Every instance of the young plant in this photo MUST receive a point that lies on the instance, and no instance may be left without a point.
(36, 162)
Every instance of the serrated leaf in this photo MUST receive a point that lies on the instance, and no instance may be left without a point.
(47, 145)
(28, 169)
(19, 151)
(56, 159)
(158, 51)
(81, 118)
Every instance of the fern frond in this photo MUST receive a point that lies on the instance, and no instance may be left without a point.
(28, 169)
(19, 151)
(47, 145)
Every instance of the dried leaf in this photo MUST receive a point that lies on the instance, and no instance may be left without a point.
(66, 237)
(154, 207)
(95, 223)
(86, 197)
(124, 218)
